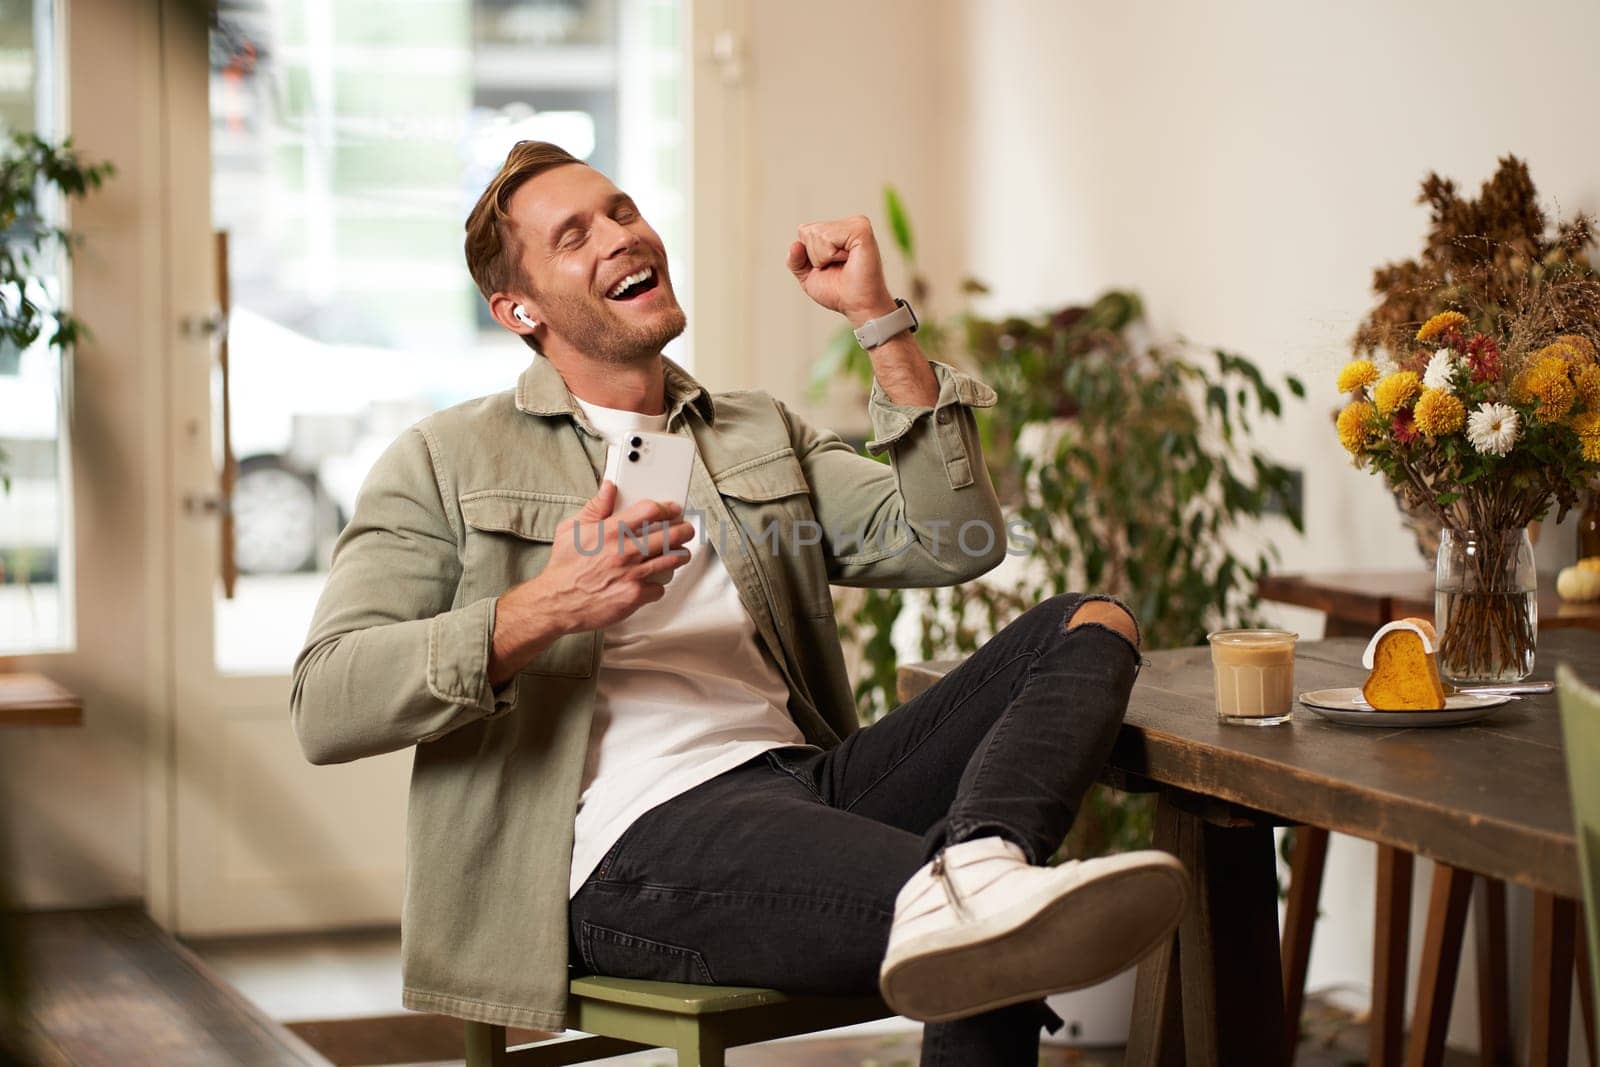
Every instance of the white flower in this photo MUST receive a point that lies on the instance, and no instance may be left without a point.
(1493, 428)
(1441, 371)
(1386, 365)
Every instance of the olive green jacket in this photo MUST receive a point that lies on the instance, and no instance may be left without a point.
(462, 507)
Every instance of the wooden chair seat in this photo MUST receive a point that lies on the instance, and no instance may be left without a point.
(699, 1022)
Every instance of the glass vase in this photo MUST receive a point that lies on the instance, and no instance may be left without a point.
(1486, 605)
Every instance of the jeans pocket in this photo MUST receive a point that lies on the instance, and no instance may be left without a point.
(617, 954)
(797, 764)
(602, 868)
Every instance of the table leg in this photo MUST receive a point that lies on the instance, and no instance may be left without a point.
(1306, 864)
(1232, 999)
(1391, 943)
(1228, 947)
(1441, 957)
(1155, 1036)
(1555, 936)
(1489, 926)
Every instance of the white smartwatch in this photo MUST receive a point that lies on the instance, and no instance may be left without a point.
(874, 332)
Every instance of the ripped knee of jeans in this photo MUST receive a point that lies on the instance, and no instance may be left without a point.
(1097, 609)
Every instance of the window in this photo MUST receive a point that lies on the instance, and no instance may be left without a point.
(350, 139)
(36, 511)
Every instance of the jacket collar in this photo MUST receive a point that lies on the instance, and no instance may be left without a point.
(542, 391)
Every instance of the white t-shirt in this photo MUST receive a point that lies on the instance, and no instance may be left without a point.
(685, 691)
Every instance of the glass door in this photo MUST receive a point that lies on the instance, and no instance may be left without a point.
(338, 145)
(349, 139)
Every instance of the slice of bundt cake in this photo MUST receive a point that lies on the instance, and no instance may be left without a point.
(1404, 665)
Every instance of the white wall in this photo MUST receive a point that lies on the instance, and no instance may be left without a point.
(1245, 165)
(837, 98)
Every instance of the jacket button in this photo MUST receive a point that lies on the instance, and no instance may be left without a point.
(943, 416)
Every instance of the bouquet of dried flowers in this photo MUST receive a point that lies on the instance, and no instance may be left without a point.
(1486, 436)
(1497, 259)
(1476, 394)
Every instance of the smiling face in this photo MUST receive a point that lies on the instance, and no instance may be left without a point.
(597, 272)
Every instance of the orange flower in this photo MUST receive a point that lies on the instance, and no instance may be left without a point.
(1440, 323)
(1581, 345)
(1586, 380)
(1556, 396)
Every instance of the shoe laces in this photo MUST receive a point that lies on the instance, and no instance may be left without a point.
(951, 893)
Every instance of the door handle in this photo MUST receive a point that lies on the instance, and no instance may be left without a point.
(199, 505)
(230, 466)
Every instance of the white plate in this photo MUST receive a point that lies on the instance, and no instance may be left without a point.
(1349, 707)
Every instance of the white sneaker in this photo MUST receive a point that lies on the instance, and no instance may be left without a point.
(979, 927)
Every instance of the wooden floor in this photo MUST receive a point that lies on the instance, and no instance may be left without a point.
(107, 987)
(1330, 1039)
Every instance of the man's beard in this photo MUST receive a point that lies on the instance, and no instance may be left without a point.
(605, 336)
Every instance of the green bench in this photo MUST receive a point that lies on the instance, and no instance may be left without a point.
(700, 1022)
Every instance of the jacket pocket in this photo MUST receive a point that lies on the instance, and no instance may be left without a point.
(771, 500)
(615, 954)
(509, 536)
(529, 516)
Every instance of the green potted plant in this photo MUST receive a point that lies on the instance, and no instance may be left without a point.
(34, 175)
(1128, 463)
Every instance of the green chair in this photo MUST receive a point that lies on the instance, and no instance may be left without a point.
(1580, 722)
(700, 1022)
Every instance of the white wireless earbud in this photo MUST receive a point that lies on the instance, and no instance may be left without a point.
(522, 317)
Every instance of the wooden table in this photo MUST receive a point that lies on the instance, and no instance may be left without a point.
(1490, 798)
(34, 700)
(1358, 602)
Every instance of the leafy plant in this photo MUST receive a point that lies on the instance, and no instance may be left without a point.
(1126, 461)
(33, 171)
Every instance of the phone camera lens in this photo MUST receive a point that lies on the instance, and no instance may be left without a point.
(636, 441)
(633, 457)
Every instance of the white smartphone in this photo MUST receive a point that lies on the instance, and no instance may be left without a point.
(651, 466)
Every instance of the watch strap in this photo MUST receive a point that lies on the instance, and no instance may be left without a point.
(875, 332)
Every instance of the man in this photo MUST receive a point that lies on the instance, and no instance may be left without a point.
(668, 781)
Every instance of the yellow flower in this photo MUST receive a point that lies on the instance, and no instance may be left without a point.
(1445, 320)
(1581, 345)
(1439, 413)
(1396, 391)
(1357, 374)
(1568, 354)
(1556, 397)
(1586, 380)
(1588, 427)
(1356, 431)
(1537, 376)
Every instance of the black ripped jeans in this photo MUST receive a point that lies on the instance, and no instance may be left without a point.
(782, 872)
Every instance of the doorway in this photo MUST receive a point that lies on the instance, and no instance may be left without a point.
(338, 144)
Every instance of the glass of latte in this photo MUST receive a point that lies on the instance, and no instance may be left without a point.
(1254, 674)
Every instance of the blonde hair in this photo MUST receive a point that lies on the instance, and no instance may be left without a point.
(493, 252)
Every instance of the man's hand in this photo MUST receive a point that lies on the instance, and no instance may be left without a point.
(838, 265)
(595, 577)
